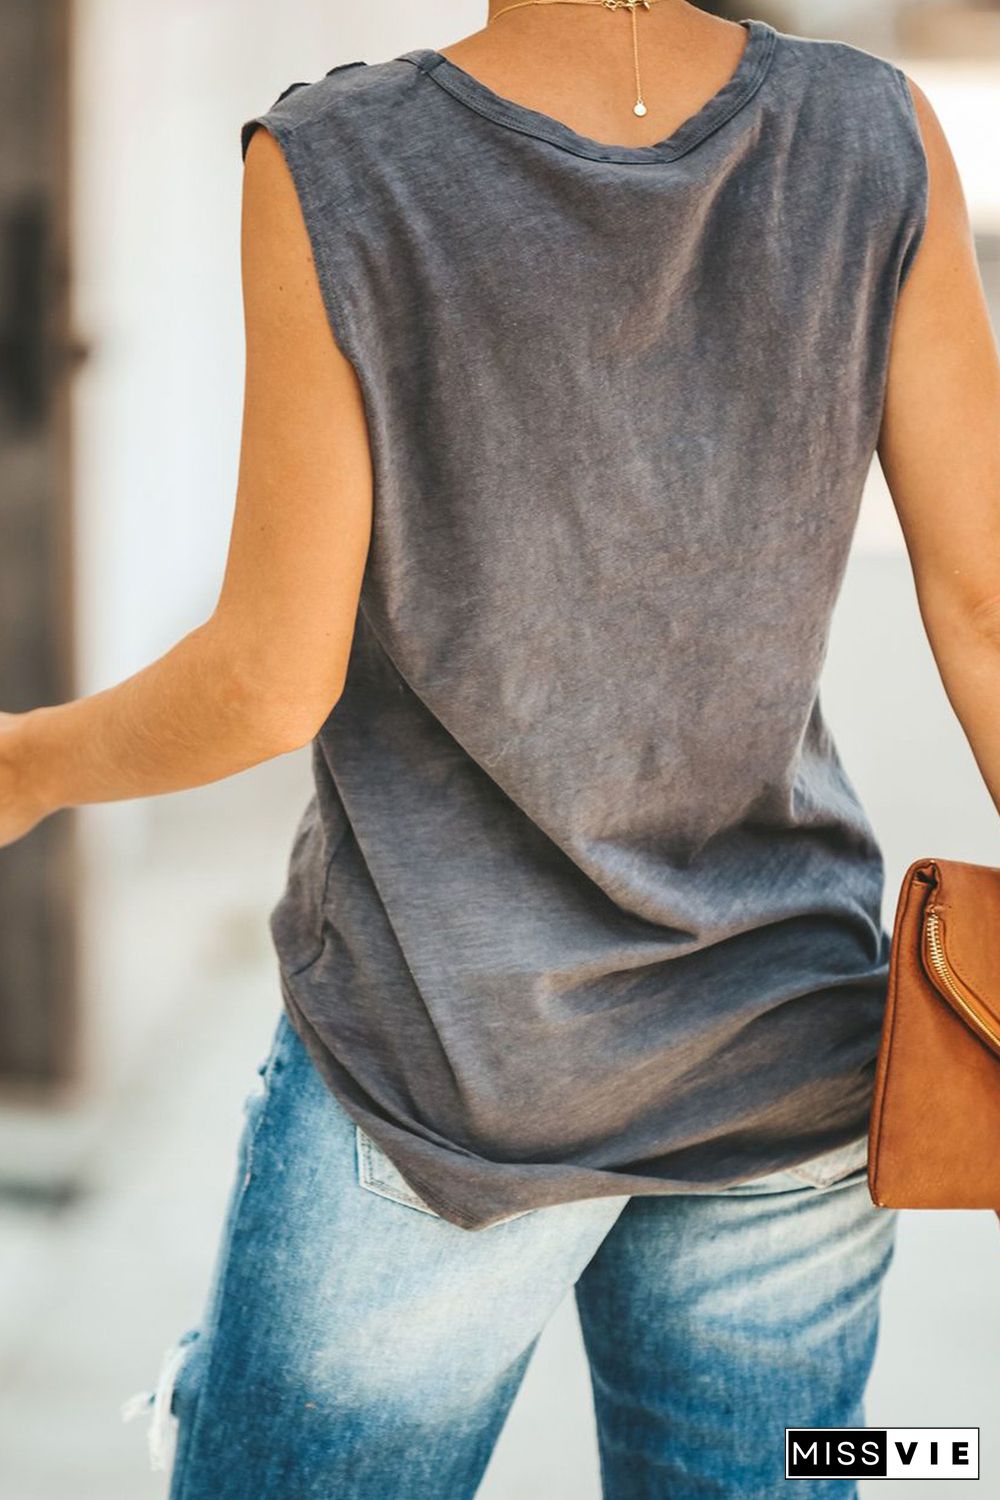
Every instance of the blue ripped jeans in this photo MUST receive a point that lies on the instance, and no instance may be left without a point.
(356, 1345)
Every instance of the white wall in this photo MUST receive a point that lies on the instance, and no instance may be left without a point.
(853, 19)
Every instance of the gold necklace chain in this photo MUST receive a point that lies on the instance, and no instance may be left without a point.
(632, 6)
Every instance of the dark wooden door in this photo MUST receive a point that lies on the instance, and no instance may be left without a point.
(38, 1011)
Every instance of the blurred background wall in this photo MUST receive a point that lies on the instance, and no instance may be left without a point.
(137, 978)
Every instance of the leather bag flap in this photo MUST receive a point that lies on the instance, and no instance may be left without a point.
(967, 897)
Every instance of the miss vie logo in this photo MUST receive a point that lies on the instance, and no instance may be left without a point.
(881, 1452)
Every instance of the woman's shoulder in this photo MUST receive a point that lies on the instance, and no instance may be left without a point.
(348, 91)
(846, 99)
(836, 63)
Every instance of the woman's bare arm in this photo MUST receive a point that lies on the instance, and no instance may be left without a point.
(940, 450)
(259, 677)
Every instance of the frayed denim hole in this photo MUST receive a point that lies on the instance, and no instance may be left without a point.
(187, 1381)
(275, 1059)
(254, 1108)
(165, 1402)
(256, 1101)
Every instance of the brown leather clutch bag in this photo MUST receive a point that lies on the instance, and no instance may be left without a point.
(934, 1130)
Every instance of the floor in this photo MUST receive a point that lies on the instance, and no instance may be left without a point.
(95, 1283)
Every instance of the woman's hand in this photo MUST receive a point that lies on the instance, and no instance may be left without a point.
(20, 809)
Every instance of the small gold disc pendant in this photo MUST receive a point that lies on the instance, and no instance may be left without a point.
(639, 108)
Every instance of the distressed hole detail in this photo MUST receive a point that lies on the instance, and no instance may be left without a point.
(161, 1434)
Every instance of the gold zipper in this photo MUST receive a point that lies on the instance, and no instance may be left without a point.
(947, 976)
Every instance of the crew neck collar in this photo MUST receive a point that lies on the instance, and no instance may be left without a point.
(716, 111)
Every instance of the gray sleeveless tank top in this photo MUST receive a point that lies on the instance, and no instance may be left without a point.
(584, 902)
